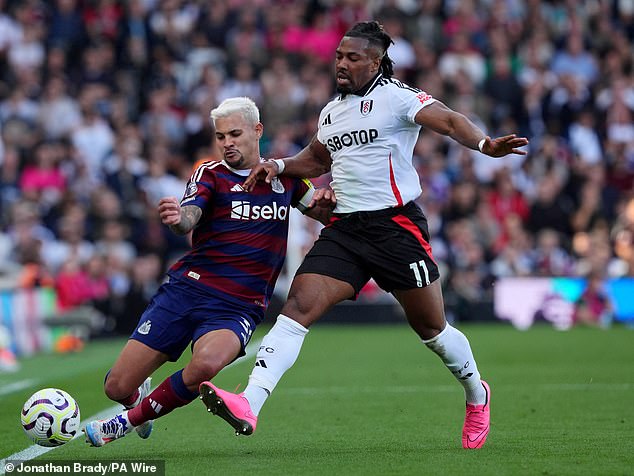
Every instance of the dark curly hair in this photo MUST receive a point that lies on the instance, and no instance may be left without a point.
(377, 37)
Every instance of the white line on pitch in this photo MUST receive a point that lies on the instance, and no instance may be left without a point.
(17, 386)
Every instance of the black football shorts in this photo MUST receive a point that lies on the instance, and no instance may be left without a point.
(391, 246)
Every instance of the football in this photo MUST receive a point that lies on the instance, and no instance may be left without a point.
(50, 417)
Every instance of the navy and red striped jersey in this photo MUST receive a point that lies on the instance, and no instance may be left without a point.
(239, 244)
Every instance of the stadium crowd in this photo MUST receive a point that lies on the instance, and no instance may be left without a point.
(104, 108)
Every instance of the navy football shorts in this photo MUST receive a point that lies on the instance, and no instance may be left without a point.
(180, 314)
(391, 246)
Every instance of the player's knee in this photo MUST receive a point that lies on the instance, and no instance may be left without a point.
(309, 299)
(200, 370)
(115, 388)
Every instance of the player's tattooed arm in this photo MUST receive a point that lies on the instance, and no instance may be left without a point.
(181, 220)
(190, 214)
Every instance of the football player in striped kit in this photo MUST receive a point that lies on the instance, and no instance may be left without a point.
(217, 293)
(366, 136)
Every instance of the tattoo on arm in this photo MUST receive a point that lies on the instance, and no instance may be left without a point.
(190, 215)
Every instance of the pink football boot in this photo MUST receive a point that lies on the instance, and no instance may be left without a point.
(477, 422)
(231, 407)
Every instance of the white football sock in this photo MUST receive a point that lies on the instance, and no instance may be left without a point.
(453, 348)
(256, 397)
(278, 352)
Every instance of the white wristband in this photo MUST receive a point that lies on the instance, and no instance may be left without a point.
(481, 144)
(280, 165)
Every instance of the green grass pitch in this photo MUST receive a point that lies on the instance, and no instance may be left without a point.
(373, 400)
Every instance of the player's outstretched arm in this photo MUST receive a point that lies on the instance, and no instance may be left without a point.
(312, 161)
(181, 220)
(438, 117)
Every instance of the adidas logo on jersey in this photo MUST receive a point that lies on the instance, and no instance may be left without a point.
(327, 121)
(237, 188)
(243, 210)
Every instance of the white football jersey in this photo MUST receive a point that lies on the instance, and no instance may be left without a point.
(371, 140)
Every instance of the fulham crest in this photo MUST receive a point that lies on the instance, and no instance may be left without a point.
(366, 107)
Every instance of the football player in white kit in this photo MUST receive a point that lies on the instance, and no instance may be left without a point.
(366, 138)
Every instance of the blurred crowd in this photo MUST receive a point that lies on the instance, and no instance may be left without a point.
(104, 108)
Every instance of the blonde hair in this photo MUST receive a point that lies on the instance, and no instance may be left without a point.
(238, 105)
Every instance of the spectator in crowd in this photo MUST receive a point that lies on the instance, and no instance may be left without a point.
(550, 258)
(574, 60)
(144, 280)
(594, 307)
(59, 113)
(505, 199)
(623, 236)
(18, 105)
(550, 209)
(42, 181)
(71, 242)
